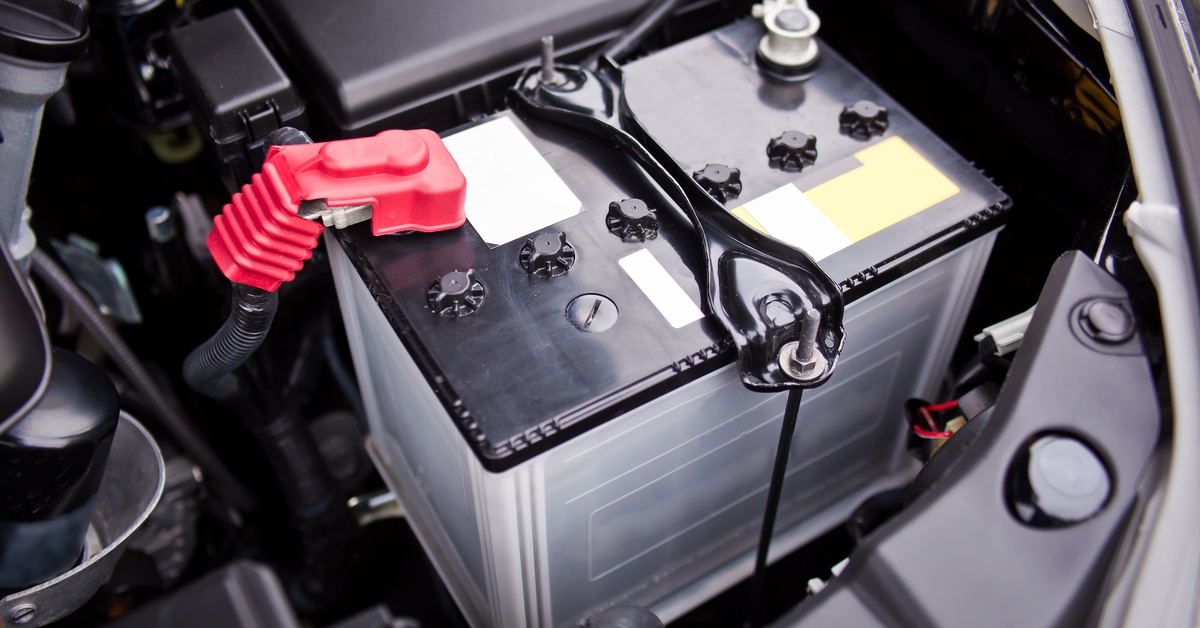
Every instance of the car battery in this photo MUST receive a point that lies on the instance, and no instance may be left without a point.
(564, 426)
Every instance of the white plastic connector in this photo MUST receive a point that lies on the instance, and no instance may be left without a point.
(791, 31)
(1008, 333)
(837, 569)
(23, 245)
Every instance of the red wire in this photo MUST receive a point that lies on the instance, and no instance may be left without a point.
(923, 433)
(938, 407)
(933, 433)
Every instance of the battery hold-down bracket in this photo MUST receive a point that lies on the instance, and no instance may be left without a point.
(401, 180)
(782, 311)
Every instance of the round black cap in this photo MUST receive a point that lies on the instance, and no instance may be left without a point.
(456, 294)
(632, 220)
(720, 181)
(50, 31)
(547, 255)
(792, 150)
(863, 120)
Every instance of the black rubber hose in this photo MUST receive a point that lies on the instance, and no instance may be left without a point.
(307, 485)
(623, 47)
(210, 368)
(327, 526)
(162, 402)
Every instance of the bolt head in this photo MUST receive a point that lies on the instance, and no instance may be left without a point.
(798, 369)
(23, 614)
(592, 313)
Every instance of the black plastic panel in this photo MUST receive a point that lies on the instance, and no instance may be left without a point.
(236, 89)
(241, 595)
(958, 556)
(230, 74)
(367, 60)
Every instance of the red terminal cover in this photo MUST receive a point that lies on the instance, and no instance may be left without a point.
(408, 176)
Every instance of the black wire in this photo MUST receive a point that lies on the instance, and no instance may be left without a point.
(211, 369)
(623, 47)
(161, 400)
(758, 582)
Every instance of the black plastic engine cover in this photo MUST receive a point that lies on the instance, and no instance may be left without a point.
(368, 60)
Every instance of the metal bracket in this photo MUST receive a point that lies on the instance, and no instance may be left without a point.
(759, 288)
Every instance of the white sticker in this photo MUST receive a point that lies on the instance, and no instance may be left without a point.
(788, 215)
(511, 190)
(662, 290)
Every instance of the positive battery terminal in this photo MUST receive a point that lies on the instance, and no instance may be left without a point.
(402, 180)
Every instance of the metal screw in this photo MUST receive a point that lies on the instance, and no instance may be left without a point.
(592, 313)
(550, 76)
(800, 359)
(23, 614)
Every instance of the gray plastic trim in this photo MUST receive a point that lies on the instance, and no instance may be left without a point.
(1164, 570)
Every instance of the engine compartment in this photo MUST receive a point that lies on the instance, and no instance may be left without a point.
(176, 104)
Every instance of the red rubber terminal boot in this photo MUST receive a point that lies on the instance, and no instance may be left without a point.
(408, 177)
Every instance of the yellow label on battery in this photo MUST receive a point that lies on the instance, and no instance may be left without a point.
(890, 181)
(893, 183)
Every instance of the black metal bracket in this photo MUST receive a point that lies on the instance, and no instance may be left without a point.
(759, 288)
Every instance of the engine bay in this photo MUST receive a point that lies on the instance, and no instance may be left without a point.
(582, 313)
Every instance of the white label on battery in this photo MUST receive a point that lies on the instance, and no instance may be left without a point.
(511, 190)
(663, 291)
(787, 214)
